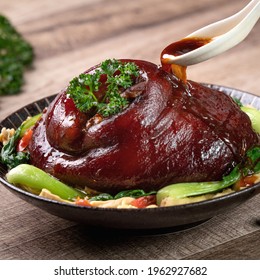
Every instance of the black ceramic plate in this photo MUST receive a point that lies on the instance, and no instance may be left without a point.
(165, 218)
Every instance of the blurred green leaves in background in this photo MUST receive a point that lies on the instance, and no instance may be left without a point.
(15, 55)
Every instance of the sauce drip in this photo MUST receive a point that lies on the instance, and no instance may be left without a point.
(203, 111)
(179, 48)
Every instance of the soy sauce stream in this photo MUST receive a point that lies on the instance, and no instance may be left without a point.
(179, 48)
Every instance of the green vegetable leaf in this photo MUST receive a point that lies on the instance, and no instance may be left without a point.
(9, 156)
(237, 101)
(127, 193)
(118, 77)
(101, 197)
(133, 193)
(253, 161)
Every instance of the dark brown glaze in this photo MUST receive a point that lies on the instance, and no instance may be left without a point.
(184, 46)
(179, 48)
(171, 132)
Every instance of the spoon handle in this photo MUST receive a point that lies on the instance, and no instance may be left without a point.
(225, 34)
(225, 25)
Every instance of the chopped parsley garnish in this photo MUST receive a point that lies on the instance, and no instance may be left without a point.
(15, 55)
(117, 75)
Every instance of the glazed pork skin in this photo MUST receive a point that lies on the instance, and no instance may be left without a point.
(172, 132)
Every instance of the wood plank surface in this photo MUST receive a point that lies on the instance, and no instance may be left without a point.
(70, 36)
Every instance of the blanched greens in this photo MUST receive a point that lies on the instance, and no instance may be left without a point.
(9, 156)
(128, 193)
(250, 166)
(35, 180)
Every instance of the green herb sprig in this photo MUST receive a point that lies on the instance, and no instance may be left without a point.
(118, 76)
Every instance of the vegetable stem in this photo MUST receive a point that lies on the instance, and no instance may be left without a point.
(30, 122)
(34, 179)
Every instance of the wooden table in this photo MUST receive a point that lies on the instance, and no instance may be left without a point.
(69, 37)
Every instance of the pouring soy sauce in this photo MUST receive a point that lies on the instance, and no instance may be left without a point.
(179, 48)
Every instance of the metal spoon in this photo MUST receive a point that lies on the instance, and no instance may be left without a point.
(224, 35)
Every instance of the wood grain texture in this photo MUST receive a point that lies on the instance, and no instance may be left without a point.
(41, 236)
(245, 248)
(71, 36)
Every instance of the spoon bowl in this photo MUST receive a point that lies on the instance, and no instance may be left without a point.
(224, 34)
